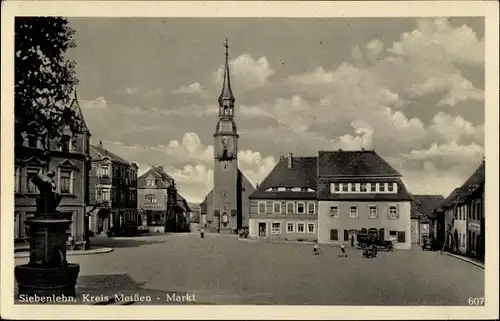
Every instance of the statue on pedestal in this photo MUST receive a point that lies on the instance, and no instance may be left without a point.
(49, 199)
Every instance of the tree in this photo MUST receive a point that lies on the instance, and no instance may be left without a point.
(44, 79)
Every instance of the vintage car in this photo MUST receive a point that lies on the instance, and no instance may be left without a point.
(428, 244)
(367, 240)
(370, 251)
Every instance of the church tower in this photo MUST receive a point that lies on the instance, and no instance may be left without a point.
(225, 192)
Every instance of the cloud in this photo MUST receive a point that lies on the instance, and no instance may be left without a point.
(438, 41)
(457, 87)
(154, 92)
(194, 88)
(246, 72)
(450, 128)
(98, 103)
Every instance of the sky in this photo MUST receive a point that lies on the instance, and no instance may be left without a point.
(411, 89)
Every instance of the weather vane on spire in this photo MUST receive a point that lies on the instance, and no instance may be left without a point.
(227, 47)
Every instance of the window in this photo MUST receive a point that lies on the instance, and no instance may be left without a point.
(393, 212)
(65, 181)
(311, 208)
(353, 212)
(304, 189)
(300, 228)
(335, 187)
(274, 189)
(345, 187)
(288, 189)
(334, 211)
(393, 235)
(390, 187)
(301, 208)
(362, 187)
(311, 227)
(277, 207)
(290, 208)
(32, 141)
(401, 237)
(105, 195)
(353, 187)
(372, 211)
(290, 227)
(373, 187)
(151, 198)
(66, 143)
(105, 171)
(334, 235)
(30, 173)
(276, 228)
(261, 208)
(381, 187)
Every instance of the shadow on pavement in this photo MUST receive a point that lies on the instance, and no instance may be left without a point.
(104, 241)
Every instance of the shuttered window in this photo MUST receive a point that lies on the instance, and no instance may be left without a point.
(334, 235)
(401, 237)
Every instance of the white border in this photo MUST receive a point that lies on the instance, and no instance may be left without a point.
(489, 9)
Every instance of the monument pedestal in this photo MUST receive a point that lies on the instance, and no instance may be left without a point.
(48, 272)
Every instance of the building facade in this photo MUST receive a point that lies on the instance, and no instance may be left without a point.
(360, 191)
(284, 206)
(422, 209)
(226, 205)
(113, 193)
(161, 208)
(462, 217)
(68, 157)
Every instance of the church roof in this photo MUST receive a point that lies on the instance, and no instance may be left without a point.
(301, 175)
(361, 163)
(226, 92)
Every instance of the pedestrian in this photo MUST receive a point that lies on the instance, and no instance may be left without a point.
(342, 249)
(352, 240)
(316, 250)
(202, 232)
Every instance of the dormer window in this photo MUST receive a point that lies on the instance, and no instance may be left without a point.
(381, 187)
(151, 182)
(362, 187)
(274, 189)
(65, 143)
(303, 189)
(373, 187)
(353, 187)
(390, 187)
(288, 189)
(345, 187)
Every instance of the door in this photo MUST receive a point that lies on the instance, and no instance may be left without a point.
(381, 234)
(262, 229)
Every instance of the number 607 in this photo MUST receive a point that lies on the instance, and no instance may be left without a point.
(476, 301)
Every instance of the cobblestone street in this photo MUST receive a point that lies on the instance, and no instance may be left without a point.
(223, 270)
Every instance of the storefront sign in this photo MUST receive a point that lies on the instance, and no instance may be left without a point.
(474, 227)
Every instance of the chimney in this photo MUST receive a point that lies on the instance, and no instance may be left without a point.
(362, 149)
(160, 168)
(290, 161)
(100, 144)
(282, 157)
(341, 150)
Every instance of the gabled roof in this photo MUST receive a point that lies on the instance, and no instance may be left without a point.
(97, 151)
(423, 206)
(459, 194)
(75, 106)
(182, 201)
(162, 178)
(302, 174)
(362, 163)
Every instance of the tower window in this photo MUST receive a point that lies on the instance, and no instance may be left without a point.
(226, 110)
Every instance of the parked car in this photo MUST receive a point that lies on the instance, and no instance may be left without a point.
(367, 240)
(429, 244)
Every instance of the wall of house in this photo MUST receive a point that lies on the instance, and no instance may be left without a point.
(225, 191)
(283, 233)
(461, 227)
(247, 190)
(73, 202)
(344, 222)
(254, 203)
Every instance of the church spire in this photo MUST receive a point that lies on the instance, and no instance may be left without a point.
(227, 93)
